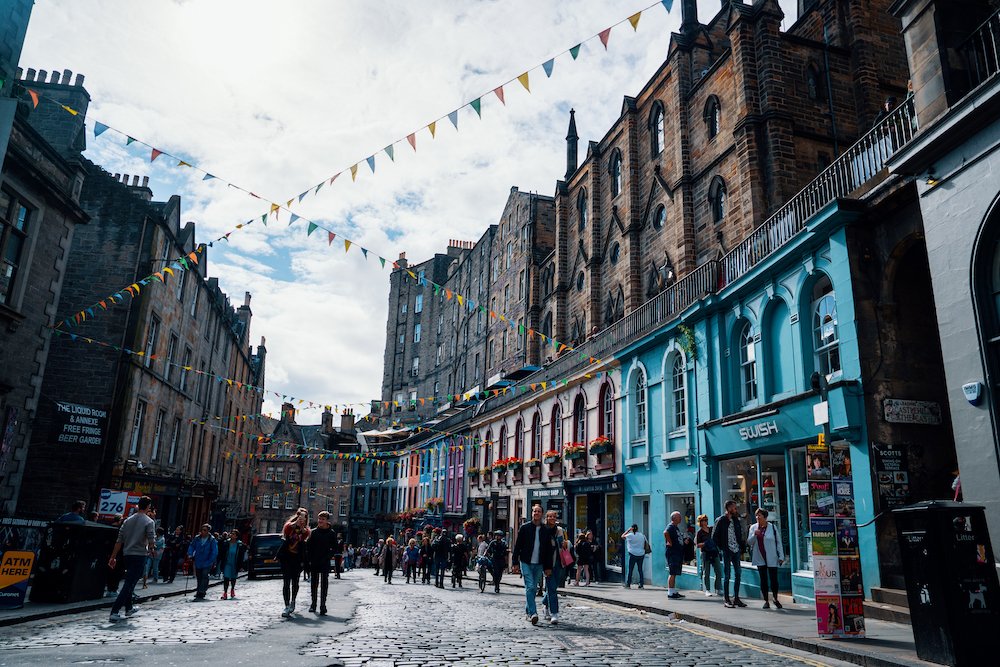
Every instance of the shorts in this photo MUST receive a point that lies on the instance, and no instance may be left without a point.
(675, 563)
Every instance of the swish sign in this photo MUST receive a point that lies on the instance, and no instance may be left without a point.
(761, 430)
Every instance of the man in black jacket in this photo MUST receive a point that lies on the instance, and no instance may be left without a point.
(497, 553)
(338, 553)
(319, 551)
(728, 536)
(441, 548)
(532, 557)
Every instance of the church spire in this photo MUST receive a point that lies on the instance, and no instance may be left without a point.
(572, 139)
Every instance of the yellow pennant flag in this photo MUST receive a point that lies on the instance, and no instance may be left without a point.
(354, 172)
(543, 385)
(68, 109)
(459, 296)
(347, 245)
(524, 81)
(431, 128)
(634, 20)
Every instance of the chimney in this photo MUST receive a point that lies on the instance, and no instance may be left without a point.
(689, 16)
(29, 75)
(145, 181)
(326, 423)
(244, 313)
(347, 421)
(66, 77)
(125, 179)
(288, 413)
(572, 142)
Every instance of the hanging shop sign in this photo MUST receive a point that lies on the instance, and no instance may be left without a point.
(839, 592)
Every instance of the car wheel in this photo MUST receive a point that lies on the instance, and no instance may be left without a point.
(251, 576)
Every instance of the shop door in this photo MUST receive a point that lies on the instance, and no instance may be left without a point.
(595, 523)
(647, 563)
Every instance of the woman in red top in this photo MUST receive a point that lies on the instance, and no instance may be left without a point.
(292, 557)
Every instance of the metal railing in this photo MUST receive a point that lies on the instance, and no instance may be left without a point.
(853, 169)
(981, 51)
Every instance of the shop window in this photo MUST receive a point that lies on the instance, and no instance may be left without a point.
(738, 479)
(685, 505)
(678, 394)
(826, 344)
(748, 366)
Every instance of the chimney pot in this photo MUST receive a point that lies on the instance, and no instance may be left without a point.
(18, 73)
(246, 299)
(42, 76)
(79, 80)
(145, 181)
(135, 181)
(30, 75)
(67, 77)
(54, 77)
(118, 177)
(402, 255)
(125, 179)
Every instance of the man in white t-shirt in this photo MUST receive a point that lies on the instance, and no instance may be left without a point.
(635, 545)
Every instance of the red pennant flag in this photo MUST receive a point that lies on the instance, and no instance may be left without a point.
(155, 154)
(34, 96)
(334, 178)
(604, 34)
(331, 236)
(499, 91)
(413, 140)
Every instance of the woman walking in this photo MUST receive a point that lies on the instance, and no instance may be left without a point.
(411, 557)
(711, 558)
(232, 556)
(387, 559)
(766, 553)
(292, 556)
(425, 561)
(583, 558)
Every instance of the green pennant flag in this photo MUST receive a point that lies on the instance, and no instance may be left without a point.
(477, 105)
(129, 140)
(312, 228)
(388, 150)
(264, 219)
(575, 51)
(382, 259)
(565, 382)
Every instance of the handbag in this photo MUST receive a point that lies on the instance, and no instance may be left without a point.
(648, 548)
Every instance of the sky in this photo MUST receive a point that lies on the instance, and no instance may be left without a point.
(278, 97)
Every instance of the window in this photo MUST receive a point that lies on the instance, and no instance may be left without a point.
(269, 474)
(314, 466)
(616, 251)
(580, 280)
(171, 351)
(419, 305)
(476, 371)
(608, 411)
(659, 217)
(413, 400)
(174, 440)
(416, 365)
(748, 365)
(502, 444)
(437, 387)
(656, 130)
(826, 345)
(184, 368)
(312, 492)
(678, 393)
(266, 501)
(506, 298)
(520, 286)
(181, 282)
(519, 439)
(640, 406)
(713, 116)
(345, 475)
(402, 339)
(157, 434)
(510, 253)
(289, 501)
(194, 302)
(416, 333)
(503, 345)
(536, 437)
(343, 507)
(615, 171)
(814, 82)
(581, 207)
(556, 428)
(279, 474)
(479, 322)
(151, 334)
(440, 323)
(717, 199)
(579, 421)
(137, 424)
(402, 309)
(14, 221)
(437, 358)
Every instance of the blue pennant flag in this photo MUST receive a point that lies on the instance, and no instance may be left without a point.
(207, 176)
(371, 163)
(294, 218)
(99, 128)
(453, 117)
(548, 67)
(667, 4)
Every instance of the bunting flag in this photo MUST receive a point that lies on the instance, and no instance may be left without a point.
(371, 163)
(312, 228)
(388, 151)
(155, 154)
(34, 98)
(524, 81)
(412, 138)
(604, 34)
(547, 66)
(207, 177)
(499, 92)
(477, 105)
(453, 117)
(331, 236)
(354, 171)
(431, 128)
(292, 220)
(575, 51)
(98, 128)
(634, 20)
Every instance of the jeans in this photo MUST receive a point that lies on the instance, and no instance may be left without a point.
(154, 568)
(320, 579)
(532, 577)
(202, 575)
(551, 597)
(133, 572)
(732, 561)
(498, 568)
(440, 569)
(634, 561)
(712, 561)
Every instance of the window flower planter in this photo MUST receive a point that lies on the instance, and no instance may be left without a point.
(532, 463)
(573, 455)
(552, 458)
(601, 447)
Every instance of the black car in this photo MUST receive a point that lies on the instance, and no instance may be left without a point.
(263, 556)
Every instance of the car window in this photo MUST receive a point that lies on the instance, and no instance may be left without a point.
(266, 545)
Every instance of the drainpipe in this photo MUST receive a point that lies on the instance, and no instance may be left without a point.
(829, 92)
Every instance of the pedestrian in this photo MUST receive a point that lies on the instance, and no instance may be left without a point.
(550, 601)
(388, 559)
(496, 552)
(583, 556)
(351, 553)
(441, 549)
(75, 514)
(377, 555)
(636, 546)
(595, 557)
(175, 552)
(411, 557)
(532, 557)
(116, 573)
(728, 536)
(291, 555)
(134, 538)
(767, 554)
(222, 542)
(320, 550)
(205, 551)
(711, 559)
(338, 551)
(425, 560)
(674, 553)
(232, 557)
(459, 560)
(156, 550)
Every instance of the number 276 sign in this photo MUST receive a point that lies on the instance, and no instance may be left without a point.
(116, 502)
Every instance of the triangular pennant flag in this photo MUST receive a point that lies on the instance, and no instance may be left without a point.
(634, 20)
(72, 111)
(293, 219)
(499, 91)
(263, 219)
(575, 51)
(364, 252)
(453, 117)
(303, 195)
(347, 245)
(431, 128)
(382, 259)
(99, 128)
(412, 138)
(274, 207)
(354, 172)
(667, 4)
(182, 163)
(524, 81)
(330, 236)
(604, 34)
(388, 150)
(547, 66)
(288, 204)
(477, 105)
(312, 228)
(155, 154)
(34, 97)
(316, 191)
(371, 163)
(129, 140)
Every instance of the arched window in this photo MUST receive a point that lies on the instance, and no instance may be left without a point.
(556, 428)
(678, 394)
(579, 421)
(488, 450)
(615, 171)
(639, 399)
(713, 116)
(502, 444)
(656, 134)
(581, 207)
(717, 199)
(659, 217)
(826, 345)
(536, 437)
(748, 365)
(547, 326)
(607, 422)
(518, 439)
(814, 83)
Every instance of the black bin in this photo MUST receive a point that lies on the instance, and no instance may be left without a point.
(951, 582)
(73, 563)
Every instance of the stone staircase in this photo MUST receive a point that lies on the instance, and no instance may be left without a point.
(888, 604)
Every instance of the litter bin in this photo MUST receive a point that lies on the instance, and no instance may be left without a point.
(73, 564)
(951, 581)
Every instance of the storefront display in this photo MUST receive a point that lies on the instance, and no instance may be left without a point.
(614, 520)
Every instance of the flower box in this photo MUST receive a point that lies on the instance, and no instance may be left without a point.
(532, 463)
(573, 455)
(514, 465)
(601, 446)
(552, 458)
(500, 468)
(473, 472)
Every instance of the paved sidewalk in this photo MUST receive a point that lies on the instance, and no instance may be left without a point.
(33, 611)
(886, 644)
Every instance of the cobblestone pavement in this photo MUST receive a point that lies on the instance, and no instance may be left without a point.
(414, 624)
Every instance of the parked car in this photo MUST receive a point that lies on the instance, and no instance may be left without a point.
(263, 555)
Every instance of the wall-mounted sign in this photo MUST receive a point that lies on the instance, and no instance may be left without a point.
(892, 477)
(761, 430)
(912, 412)
(79, 424)
(15, 568)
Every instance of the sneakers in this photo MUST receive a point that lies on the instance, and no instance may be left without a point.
(546, 614)
(131, 612)
(777, 604)
(720, 593)
(640, 585)
(738, 602)
(291, 607)
(232, 596)
(225, 597)
(144, 586)
(312, 609)
(675, 596)
(554, 620)
(534, 619)
(287, 612)
(709, 594)
(322, 611)
(767, 605)
(117, 617)
(729, 604)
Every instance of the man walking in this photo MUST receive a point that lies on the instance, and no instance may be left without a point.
(459, 560)
(175, 553)
(532, 557)
(319, 551)
(675, 554)
(728, 536)
(496, 552)
(635, 545)
(441, 548)
(205, 551)
(134, 536)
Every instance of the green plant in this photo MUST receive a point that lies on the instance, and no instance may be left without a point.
(688, 343)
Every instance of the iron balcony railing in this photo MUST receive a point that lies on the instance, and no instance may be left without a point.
(981, 51)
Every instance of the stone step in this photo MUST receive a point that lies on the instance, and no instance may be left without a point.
(887, 612)
(893, 596)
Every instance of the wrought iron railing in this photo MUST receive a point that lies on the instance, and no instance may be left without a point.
(981, 51)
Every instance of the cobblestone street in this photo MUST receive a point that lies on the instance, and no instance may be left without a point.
(391, 626)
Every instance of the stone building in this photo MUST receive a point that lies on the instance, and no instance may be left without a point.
(182, 408)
